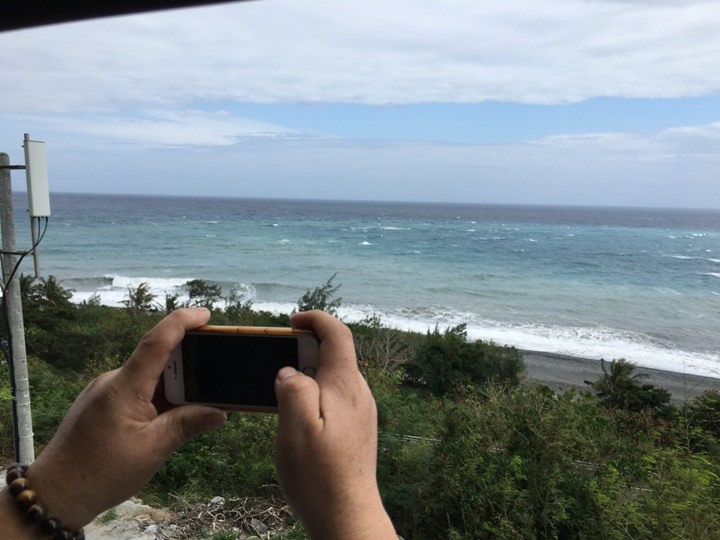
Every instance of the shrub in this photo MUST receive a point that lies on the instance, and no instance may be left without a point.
(321, 298)
(449, 361)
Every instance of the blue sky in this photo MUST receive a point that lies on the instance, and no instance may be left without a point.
(605, 102)
(487, 122)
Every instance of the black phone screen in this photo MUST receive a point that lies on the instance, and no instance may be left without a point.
(235, 369)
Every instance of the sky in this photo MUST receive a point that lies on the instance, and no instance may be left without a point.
(579, 102)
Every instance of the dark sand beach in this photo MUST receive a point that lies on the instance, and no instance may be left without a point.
(560, 372)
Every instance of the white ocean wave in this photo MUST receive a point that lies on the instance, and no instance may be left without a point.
(278, 308)
(123, 282)
(116, 292)
(585, 342)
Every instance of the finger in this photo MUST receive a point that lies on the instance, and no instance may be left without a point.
(298, 405)
(182, 423)
(337, 350)
(146, 364)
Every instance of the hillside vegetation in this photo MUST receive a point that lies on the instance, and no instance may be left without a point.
(467, 448)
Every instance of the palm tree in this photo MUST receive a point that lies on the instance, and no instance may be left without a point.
(620, 378)
(26, 286)
(139, 300)
(620, 388)
(48, 293)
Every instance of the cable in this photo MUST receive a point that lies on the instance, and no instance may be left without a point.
(23, 254)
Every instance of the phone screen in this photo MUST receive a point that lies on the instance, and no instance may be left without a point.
(235, 370)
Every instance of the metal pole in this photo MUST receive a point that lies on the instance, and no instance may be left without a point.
(22, 416)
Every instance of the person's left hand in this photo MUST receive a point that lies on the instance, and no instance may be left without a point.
(114, 439)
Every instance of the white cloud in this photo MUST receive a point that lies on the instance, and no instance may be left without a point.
(80, 87)
(406, 51)
(159, 128)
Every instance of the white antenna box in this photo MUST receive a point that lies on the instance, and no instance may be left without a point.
(37, 178)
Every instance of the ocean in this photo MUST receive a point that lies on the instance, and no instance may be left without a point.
(640, 284)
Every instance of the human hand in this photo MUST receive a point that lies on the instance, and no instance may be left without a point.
(326, 446)
(114, 439)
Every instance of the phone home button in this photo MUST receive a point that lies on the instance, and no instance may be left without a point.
(310, 372)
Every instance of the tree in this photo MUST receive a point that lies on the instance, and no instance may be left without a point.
(26, 286)
(202, 293)
(48, 293)
(619, 388)
(237, 303)
(171, 303)
(705, 412)
(139, 300)
(321, 298)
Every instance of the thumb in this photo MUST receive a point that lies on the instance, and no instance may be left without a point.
(185, 422)
(298, 404)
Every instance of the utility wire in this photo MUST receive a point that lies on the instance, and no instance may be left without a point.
(23, 254)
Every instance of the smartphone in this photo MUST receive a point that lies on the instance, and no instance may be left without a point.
(234, 367)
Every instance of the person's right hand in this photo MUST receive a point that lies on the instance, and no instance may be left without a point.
(326, 446)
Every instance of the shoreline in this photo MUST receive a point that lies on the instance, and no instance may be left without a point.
(560, 372)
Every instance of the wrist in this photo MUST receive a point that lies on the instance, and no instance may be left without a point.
(65, 490)
(58, 496)
(358, 518)
(33, 516)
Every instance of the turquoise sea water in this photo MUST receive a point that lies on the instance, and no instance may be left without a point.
(595, 282)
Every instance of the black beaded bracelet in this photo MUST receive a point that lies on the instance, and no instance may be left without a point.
(26, 499)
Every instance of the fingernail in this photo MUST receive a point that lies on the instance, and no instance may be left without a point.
(286, 373)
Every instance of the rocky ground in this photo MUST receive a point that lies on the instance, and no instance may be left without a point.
(133, 520)
(248, 519)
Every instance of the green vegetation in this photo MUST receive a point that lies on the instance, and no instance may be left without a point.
(108, 517)
(467, 448)
(321, 298)
(140, 300)
(448, 361)
(202, 293)
(619, 388)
